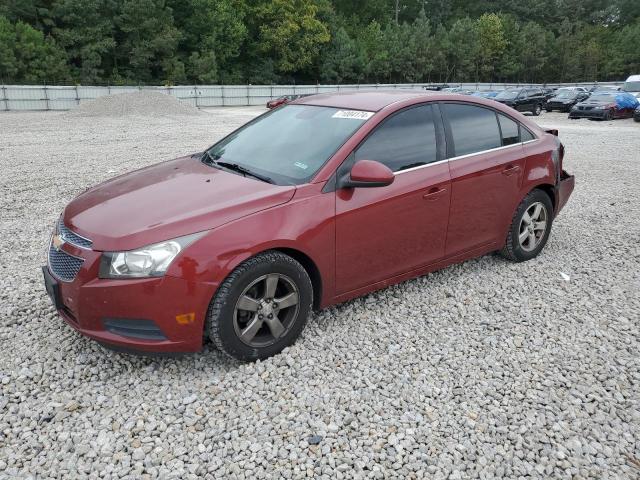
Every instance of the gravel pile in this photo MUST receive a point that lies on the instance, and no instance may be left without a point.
(142, 103)
(487, 369)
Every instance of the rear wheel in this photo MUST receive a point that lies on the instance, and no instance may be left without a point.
(530, 227)
(537, 110)
(261, 307)
(549, 110)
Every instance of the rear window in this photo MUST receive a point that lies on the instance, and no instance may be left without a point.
(474, 129)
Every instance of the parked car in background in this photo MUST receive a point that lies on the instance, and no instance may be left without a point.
(601, 105)
(572, 89)
(284, 99)
(548, 92)
(529, 99)
(636, 115)
(632, 85)
(311, 204)
(606, 89)
(435, 87)
(563, 100)
(460, 90)
(489, 94)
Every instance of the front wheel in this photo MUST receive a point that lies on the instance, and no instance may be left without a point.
(530, 227)
(608, 115)
(537, 110)
(261, 307)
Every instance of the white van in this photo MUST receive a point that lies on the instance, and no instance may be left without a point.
(632, 85)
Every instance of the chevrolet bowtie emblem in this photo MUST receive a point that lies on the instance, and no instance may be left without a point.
(57, 241)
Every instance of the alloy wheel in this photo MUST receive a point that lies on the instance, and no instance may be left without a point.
(533, 226)
(266, 310)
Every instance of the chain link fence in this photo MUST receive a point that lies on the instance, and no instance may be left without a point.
(43, 97)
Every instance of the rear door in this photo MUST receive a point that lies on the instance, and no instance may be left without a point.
(382, 232)
(486, 165)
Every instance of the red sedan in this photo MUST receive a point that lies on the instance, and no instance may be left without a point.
(311, 204)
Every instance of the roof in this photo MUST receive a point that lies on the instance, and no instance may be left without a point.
(370, 100)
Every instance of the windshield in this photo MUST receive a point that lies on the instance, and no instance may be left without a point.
(566, 94)
(631, 86)
(291, 143)
(507, 95)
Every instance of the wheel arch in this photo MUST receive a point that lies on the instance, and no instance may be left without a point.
(310, 266)
(549, 190)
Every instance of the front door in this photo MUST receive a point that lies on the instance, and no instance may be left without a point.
(382, 232)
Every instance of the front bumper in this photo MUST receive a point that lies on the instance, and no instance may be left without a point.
(598, 114)
(151, 315)
(561, 107)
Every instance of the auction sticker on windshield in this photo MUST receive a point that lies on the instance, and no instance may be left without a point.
(356, 114)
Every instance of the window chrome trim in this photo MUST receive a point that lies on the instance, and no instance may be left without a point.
(460, 157)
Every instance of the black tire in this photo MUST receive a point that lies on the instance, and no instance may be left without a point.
(549, 110)
(513, 250)
(608, 116)
(636, 119)
(221, 321)
(537, 110)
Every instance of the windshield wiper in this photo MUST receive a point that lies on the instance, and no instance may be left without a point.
(241, 169)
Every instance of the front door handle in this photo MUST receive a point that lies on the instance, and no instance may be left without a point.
(510, 170)
(434, 193)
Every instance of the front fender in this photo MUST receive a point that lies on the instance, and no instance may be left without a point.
(305, 224)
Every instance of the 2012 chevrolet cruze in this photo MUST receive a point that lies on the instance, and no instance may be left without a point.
(311, 204)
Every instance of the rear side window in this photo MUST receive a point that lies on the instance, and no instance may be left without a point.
(405, 140)
(473, 129)
(526, 135)
(509, 129)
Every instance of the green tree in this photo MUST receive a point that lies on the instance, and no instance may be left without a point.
(341, 62)
(84, 28)
(491, 45)
(26, 55)
(147, 43)
(213, 34)
(289, 32)
(8, 60)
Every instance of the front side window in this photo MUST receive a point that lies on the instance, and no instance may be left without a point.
(405, 140)
(473, 129)
(289, 144)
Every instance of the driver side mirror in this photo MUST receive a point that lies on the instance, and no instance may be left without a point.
(367, 173)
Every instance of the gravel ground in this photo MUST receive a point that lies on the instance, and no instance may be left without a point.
(487, 369)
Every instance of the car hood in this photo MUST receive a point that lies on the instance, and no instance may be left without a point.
(167, 200)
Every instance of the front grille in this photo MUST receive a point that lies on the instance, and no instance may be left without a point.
(63, 265)
(73, 238)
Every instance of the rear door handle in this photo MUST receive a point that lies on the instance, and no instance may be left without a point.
(434, 193)
(510, 170)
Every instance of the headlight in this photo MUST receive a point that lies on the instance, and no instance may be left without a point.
(150, 261)
(598, 107)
